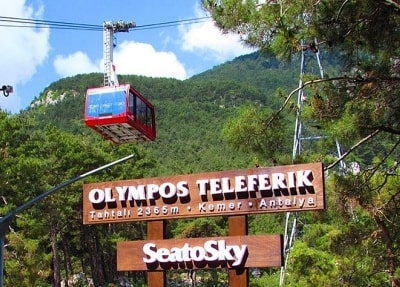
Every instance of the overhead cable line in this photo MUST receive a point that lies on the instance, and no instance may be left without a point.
(32, 23)
(172, 23)
(15, 22)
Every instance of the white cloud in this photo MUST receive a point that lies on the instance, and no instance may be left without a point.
(22, 50)
(25, 50)
(142, 59)
(130, 58)
(209, 42)
(73, 64)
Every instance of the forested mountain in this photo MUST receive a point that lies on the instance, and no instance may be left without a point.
(190, 114)
(197, 121)
(50, 144)
(237, 115)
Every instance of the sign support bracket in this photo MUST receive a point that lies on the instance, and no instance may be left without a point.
(156, 230)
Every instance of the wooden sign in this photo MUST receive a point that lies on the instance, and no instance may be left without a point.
(235, 252)
(258, 190)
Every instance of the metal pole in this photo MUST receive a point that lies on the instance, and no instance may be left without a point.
(6, 220)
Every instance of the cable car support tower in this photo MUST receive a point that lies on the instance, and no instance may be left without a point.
(109, 28)
(302, 133)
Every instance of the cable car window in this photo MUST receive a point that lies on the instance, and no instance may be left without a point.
(106, 102)
(131, 103)
(149, 119)
(141, 111)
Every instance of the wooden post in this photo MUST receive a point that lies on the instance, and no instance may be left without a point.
(156, 230)
(238, 226)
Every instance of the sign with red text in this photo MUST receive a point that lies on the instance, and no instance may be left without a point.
(257, 190)
(194, 253)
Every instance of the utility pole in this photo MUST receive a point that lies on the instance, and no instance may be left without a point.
(6, 220)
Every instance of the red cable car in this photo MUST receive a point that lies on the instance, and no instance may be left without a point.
(120, 114)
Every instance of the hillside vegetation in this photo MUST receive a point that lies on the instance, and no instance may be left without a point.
(190, 114)
(48, 144)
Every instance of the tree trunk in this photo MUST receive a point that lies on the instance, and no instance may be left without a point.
(54, 248)
(391, 257)
(95, 256)
(67, 259)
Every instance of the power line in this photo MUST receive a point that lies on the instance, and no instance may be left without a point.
(14, 22)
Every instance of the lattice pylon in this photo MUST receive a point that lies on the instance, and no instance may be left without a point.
(308, 51)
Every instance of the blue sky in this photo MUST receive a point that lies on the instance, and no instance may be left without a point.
(33, 58)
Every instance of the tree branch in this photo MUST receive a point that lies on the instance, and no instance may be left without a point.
(302, 86)
(375, 168)
(389, 130)
(341, 9)
(394, 3)
(374, 133)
